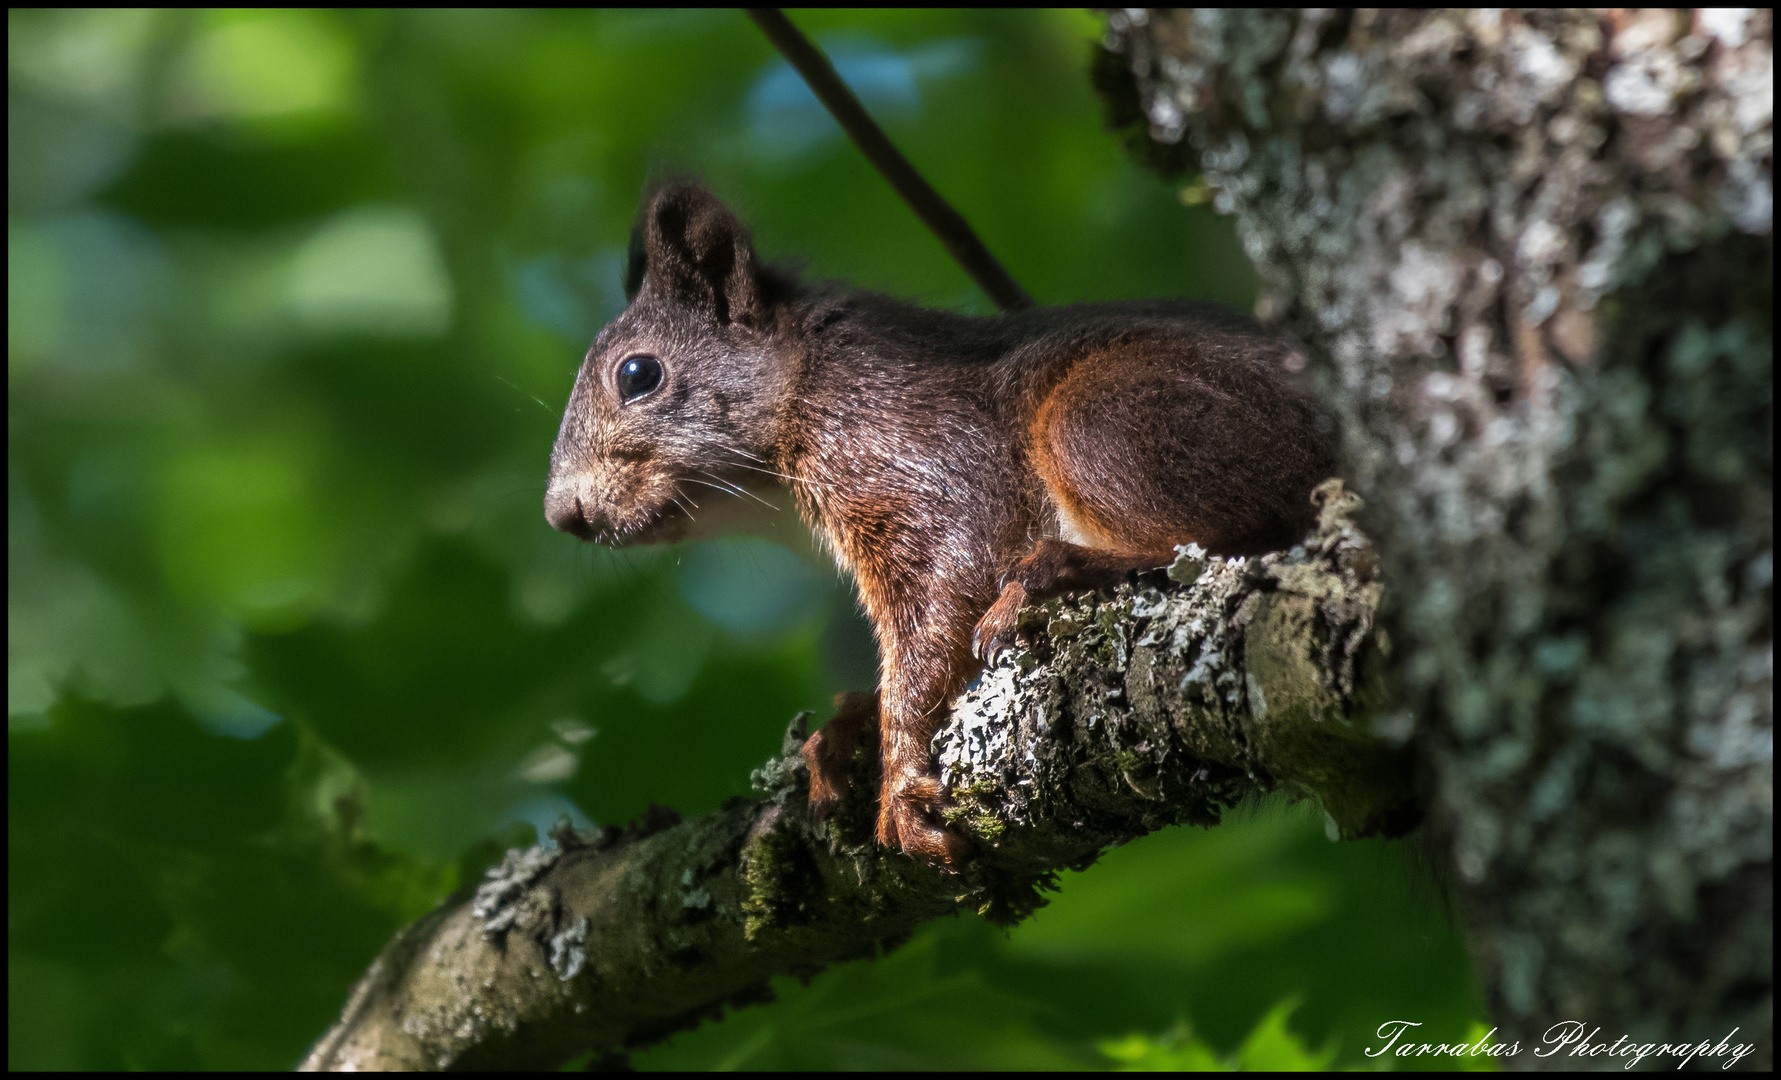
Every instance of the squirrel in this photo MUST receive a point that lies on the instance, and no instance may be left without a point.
(957, 466)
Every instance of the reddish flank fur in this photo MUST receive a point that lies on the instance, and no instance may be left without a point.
(956, 466)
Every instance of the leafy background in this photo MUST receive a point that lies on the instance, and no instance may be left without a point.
(295, 299)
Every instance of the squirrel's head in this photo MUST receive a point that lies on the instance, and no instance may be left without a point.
(680, 395)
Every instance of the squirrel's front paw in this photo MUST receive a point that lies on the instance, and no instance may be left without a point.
(909, 818)
(995, 631)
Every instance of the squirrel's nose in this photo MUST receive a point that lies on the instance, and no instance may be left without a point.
(562, 508)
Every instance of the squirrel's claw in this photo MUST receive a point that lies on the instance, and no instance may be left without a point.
(986, 644)
(995, 631)
(907, 818)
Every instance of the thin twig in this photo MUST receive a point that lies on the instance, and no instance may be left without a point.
(939, 216)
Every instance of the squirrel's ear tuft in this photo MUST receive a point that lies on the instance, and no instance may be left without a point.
(696, 251)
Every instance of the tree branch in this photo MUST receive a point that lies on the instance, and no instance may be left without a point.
(1165, 703)
(935, 212)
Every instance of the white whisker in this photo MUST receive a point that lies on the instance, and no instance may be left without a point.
(734, 489)
(772, 472)
(701, 483)
(675, 499)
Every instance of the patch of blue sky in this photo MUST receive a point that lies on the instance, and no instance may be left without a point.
(85, 291)
(572, 297)
(787, 121)
(542, 811)
(223, 711)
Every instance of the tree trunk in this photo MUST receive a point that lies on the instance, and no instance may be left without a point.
(1534, 251)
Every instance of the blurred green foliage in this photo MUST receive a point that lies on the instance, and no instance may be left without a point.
(295, 299)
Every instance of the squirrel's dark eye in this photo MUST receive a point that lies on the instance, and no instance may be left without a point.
(638, 376)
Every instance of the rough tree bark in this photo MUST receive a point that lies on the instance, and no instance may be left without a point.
(1534, 251)
(1166, 703)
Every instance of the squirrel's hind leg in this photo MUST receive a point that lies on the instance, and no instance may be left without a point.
(1157, 443)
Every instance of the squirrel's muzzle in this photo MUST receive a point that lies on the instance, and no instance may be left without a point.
(564, 510)
(578, 505)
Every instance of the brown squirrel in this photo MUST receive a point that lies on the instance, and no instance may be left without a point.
(957, 466)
